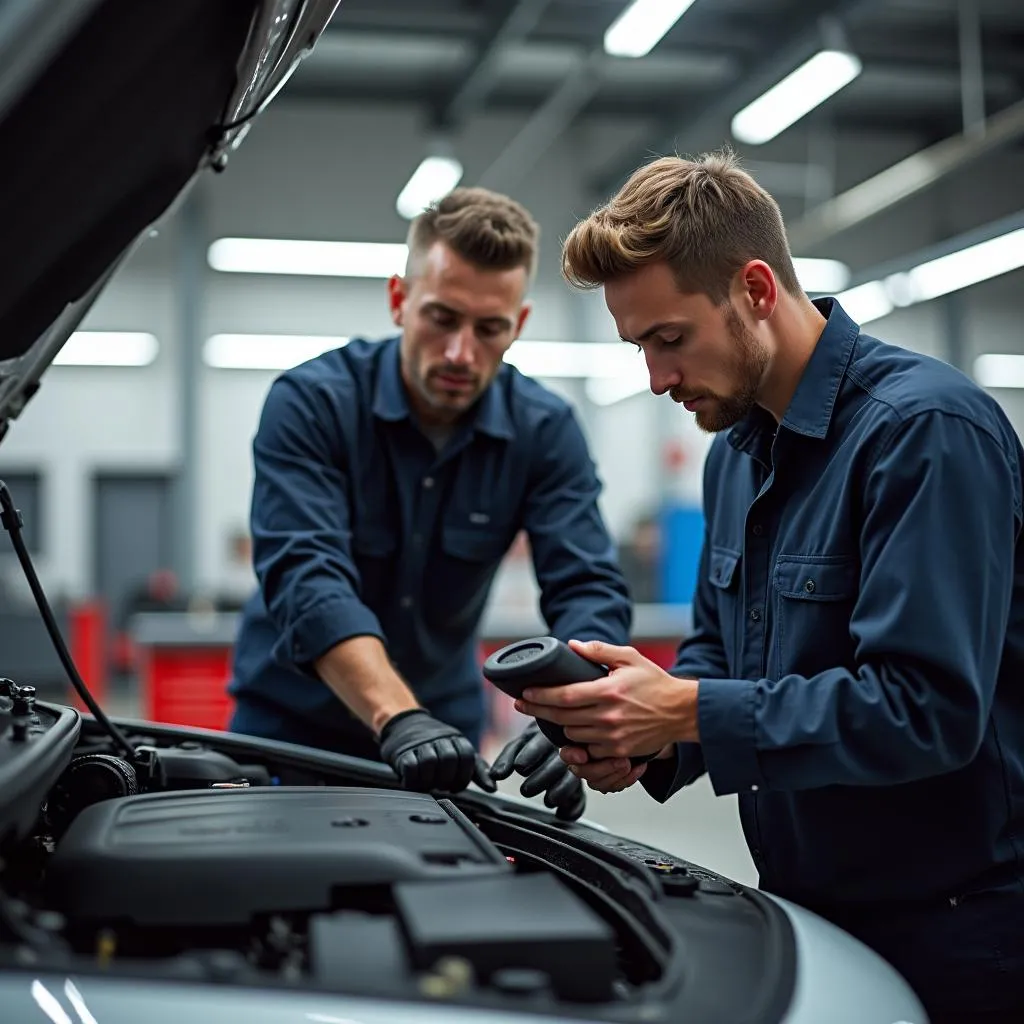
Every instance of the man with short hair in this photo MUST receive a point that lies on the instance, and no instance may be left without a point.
(390, 480)
(854, 671)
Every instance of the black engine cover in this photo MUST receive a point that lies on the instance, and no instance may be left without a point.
(219, 857)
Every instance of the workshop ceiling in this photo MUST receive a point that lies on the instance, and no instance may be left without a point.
(465, 58)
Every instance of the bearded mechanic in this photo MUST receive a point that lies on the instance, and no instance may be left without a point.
(856, 667)
(390, 480)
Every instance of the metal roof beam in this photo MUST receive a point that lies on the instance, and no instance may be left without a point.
(548, 122)
(471, 93)
(706, 128)
(904, 179)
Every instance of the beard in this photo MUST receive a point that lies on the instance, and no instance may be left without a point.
(445, 402)
(721, 412)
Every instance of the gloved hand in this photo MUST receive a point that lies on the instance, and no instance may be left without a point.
(532, 754)
(429, 755)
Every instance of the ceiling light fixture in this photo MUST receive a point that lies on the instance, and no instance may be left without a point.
(821, 276)
(108, 348)
(555, 359)
(998, 370)
(642, 25)
(934, 278)
(867, 302)
(266, 351)
(312, 258)
(435, 177)
(795, 96)
(960, 269)
(581, 359)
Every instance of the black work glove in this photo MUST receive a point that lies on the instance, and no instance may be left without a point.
(532, 754)
(428, 755)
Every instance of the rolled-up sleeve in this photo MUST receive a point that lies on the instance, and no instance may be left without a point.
(583, 591)
(300, 519)
(942, 513)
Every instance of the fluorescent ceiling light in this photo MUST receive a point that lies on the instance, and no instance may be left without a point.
(574, 359)
(107, 348)
(934, 278)
(867, 302)
(312, 258)
(796, 95)
(613, 371)
(435, 177)
(961, 269)
(823, 276)
(999, 371)
(621, 369)
(266, 351)
(641, 26)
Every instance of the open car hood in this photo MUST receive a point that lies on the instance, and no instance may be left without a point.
(109, 110)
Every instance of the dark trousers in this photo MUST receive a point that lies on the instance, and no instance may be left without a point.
(963, 958)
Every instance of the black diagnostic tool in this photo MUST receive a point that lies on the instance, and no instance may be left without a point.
(542, 661)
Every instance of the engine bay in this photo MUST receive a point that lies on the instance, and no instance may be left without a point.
(295, 879)
(220, 858)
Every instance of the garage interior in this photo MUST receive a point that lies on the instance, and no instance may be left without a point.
(902, 195)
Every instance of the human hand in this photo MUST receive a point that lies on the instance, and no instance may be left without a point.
(428, 755)
(609, 775)
(636, 709)
(532, 754)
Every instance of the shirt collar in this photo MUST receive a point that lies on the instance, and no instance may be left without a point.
(811, 407)
(389, 401)
(492, 414)
(489, 416)
(810, 410)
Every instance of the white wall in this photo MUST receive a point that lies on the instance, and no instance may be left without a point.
(314, 171)
(86, 419)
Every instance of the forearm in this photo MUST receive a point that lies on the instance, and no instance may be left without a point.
(360, 674)
(883, 725)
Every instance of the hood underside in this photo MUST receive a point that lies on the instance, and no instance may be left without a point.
(108, 111)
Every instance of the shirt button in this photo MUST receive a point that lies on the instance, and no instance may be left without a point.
(428, 481)
(809, 586)
(406, 602)
(755, 614)
(753, 789)
(757, 529)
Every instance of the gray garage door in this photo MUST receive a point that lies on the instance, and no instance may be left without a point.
(133, 531)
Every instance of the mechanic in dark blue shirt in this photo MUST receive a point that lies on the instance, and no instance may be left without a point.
(390, 480)
(856, 669)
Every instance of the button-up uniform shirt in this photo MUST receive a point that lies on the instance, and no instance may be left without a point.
(859, 631)
(361, 527)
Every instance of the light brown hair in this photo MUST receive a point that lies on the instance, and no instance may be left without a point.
(705, 218)
(485, 228)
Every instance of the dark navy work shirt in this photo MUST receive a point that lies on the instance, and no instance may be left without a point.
(859, 631)
(360, 527)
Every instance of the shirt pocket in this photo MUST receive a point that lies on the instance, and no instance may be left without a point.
(724, 577)
(473, 544)
(814, 597)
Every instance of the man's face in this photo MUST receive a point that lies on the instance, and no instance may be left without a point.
(457, 322)
(704, 356)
